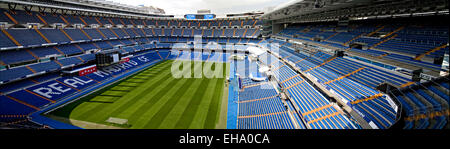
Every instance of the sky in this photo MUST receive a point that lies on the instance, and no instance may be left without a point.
(220, 7)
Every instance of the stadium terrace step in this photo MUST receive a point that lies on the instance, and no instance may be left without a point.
(82, 20)
(385, 45)
(52, 101)
(407, 84)
(324, 117)
(377, 30)
(331, 36)
(320, 64)
(254, 23)
(300, 61)
(278, 67)
(344, 76)
(297, 75)
(22, 102)
(429, 115)
(381, 56)
(309, 104)
(61, 65)
(395, 31)
(254, 85)
(13, 116)
(64, 19)
(42, 19)
(42, 35)
(87, 35)
(424, 104)
(29, 68)
(253, 100)
(293, 85)
(306, 98)
(381, 42)
(261, 115)
(287, 56)
(101, 33)
(100, 23)
(11, 37)
(316, 110)
(11, 17)
(360, 35)
(367, 99)
(419, 57)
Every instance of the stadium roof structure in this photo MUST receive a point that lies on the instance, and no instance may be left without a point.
(331, 10)
(89, 6)
(104, 8)
(106, 4)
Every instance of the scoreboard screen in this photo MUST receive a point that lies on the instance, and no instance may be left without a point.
(200, 16)
(190, 16)
(208, 16)
(106, 58)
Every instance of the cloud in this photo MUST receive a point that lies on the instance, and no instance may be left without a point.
(181, 7)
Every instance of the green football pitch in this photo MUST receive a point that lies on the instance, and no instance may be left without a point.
(153, 99)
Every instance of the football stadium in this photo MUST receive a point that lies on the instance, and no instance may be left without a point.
(302, 64)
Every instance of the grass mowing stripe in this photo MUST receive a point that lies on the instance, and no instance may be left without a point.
(132, 80)
(83, 109)
(149, 74)
(141, 78)
(193, 105)
(88, 112)
(211, 118)
(76, 109)
(147, 86)
(222, 119)
(141, 116)
(200, 115)
(177, 111)
(91, 114)
(110, 99)
(123, 88)
(106, 112)
(154, 99)
(162, 113)
(136, 97)
(67, 110)
(86, 109)
(120, 90)
(113, 92)
(151, 99)
(158, 95)
(110, 95)
(124, 85)
(213, 113)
